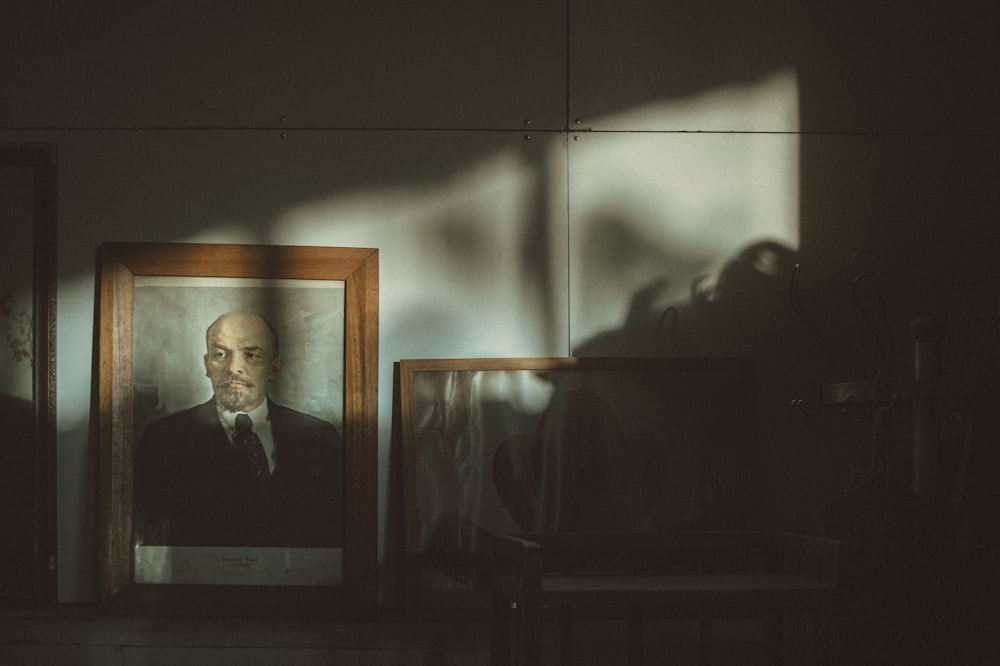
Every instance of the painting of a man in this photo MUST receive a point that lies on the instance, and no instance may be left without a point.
(239, 469)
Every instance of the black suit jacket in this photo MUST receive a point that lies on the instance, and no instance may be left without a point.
(189, 490)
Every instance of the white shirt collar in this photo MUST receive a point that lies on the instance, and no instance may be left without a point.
(261, 425)
(258, 415)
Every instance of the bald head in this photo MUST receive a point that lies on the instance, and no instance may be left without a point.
(245, 321)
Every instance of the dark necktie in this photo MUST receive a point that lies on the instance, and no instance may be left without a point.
(249, 449)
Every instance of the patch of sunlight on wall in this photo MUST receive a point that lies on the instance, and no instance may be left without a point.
(451, 276)
(226, 232)
(671, 206)
(770, 104)
(75, 333)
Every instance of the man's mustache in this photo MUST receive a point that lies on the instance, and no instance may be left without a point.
(239, 380)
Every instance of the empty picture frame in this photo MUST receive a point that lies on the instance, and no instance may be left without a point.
(538, 445)
(190, 334)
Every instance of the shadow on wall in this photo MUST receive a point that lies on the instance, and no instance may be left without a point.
(739, 313)
(702, 226)
(646, 444)
(696, 470)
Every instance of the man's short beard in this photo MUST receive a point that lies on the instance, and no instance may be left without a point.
(233, 399)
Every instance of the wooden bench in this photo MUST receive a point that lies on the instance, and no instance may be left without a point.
(671, 574)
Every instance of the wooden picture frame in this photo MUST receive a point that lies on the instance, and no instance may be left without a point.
(546, 445)
(157, 301)
(28, 190)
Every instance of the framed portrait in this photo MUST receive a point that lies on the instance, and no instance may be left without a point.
(546, 445)
(27, 378)
(238, 428)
